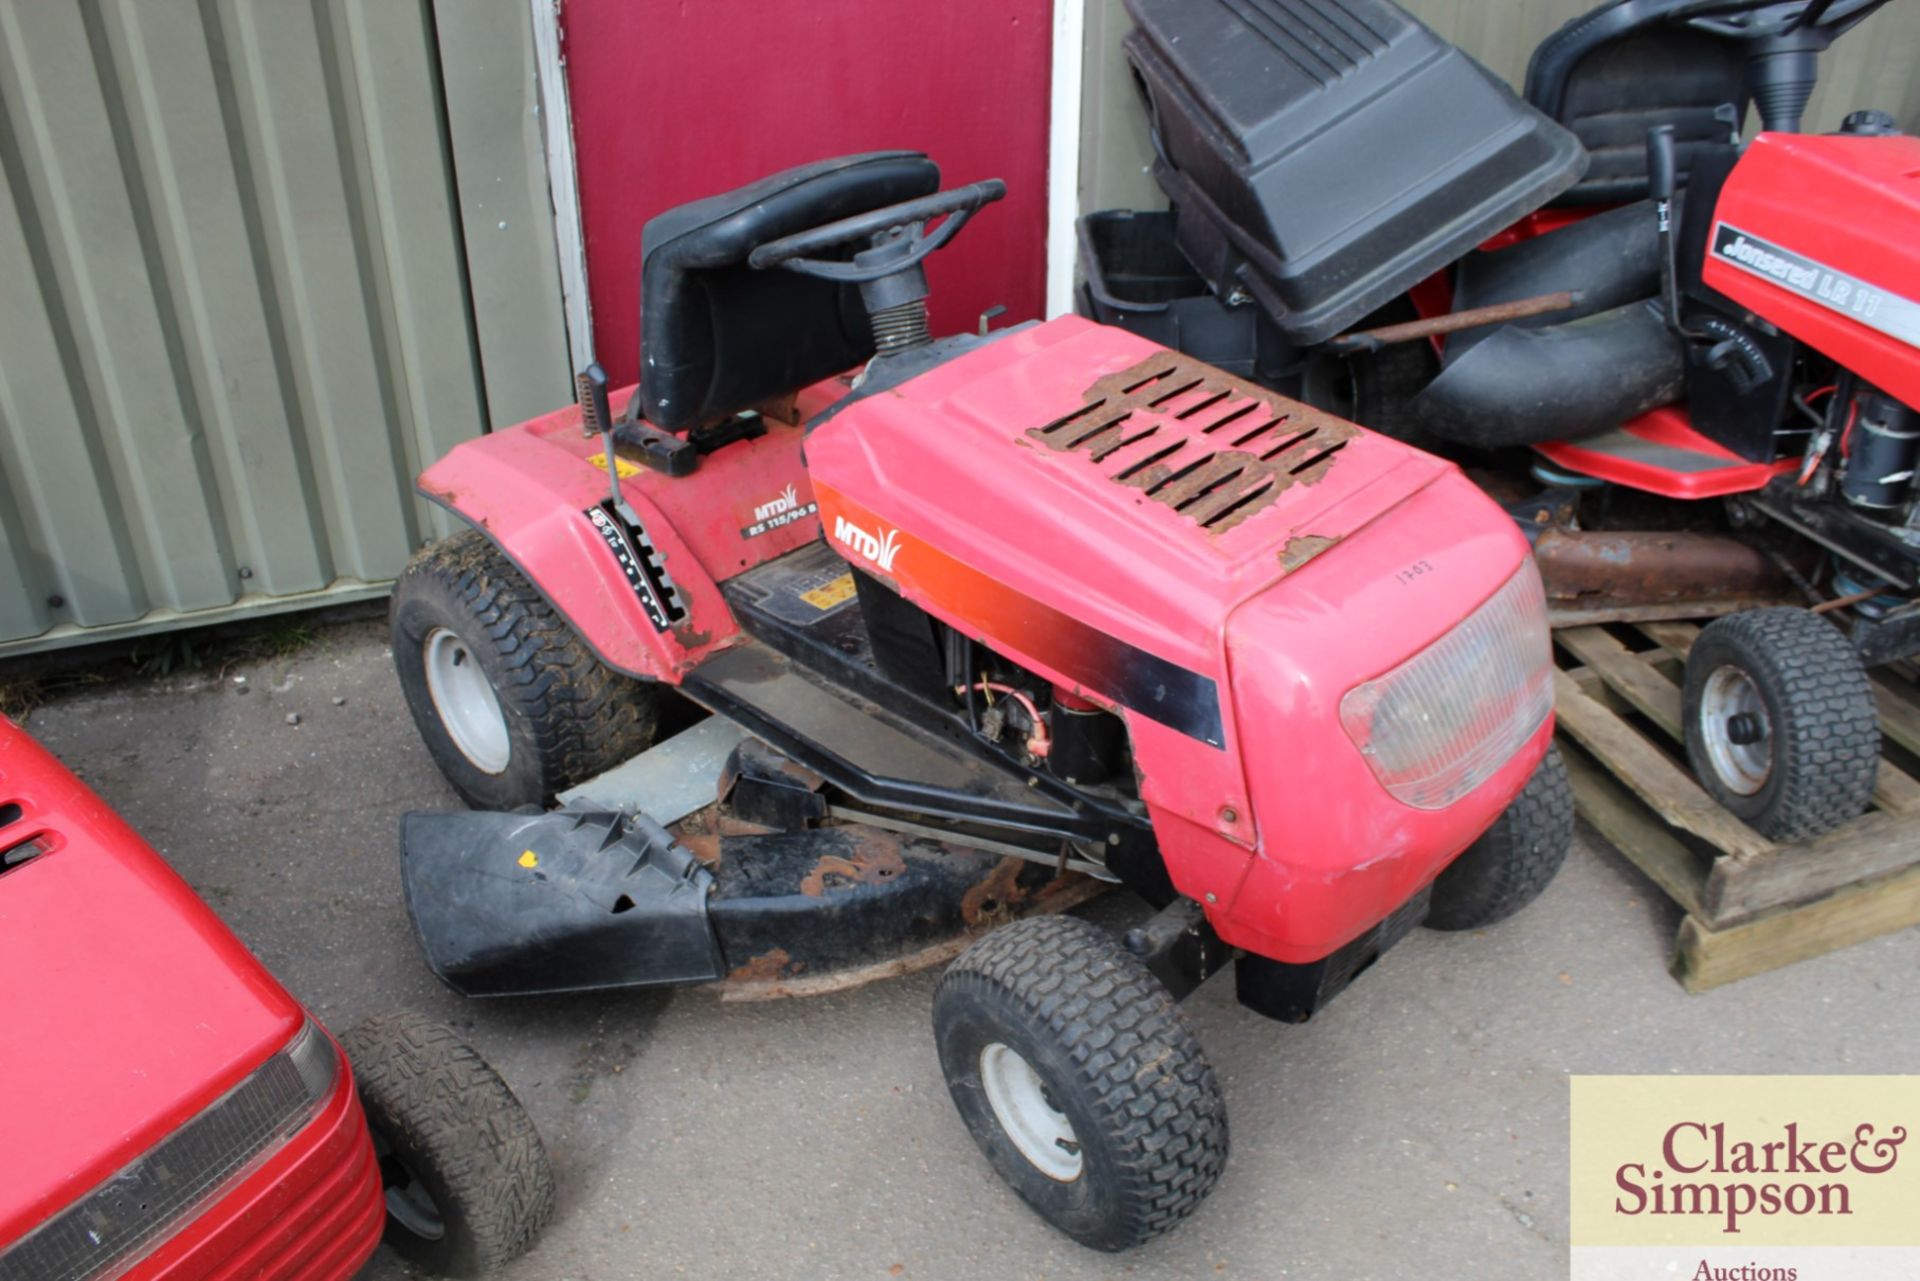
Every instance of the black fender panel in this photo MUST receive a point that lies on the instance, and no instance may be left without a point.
(526, 904)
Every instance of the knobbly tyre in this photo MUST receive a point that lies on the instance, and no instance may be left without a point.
(171, 1111)
(1032, 607)
(1704, 347)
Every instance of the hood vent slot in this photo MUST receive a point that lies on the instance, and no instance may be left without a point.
(1215, 448)
(20, 853)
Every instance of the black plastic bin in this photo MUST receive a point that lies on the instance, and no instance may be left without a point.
(1136, 279)
(1327, 154)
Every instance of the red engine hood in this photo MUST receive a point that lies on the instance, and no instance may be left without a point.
(1089, 469)
(126, 1005)
(1095, 507)
(1820, 234)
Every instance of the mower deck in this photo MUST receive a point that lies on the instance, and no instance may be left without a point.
(519, 905)
(764, 879)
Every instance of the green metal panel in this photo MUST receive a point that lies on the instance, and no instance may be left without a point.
(1116, 148)
(1871, 66)
(239, 306)
(493, 109)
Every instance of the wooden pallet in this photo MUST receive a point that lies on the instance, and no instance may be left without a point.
(1751, 905)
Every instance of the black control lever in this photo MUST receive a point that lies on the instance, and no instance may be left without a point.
(1660, 183)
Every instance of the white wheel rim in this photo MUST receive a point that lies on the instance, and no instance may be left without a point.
(1019, 1100)
(465, 701)
(1735, 730)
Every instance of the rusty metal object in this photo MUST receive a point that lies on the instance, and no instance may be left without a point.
(1594, 576)
(839, 898)
(871, 861)
(772, 964)
(704, 846)
(996, 897)
(1059, 896)
(1842, 602)
(1498, 313)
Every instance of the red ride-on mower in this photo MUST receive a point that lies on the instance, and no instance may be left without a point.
(1715, 383)
(172, 1112)
(1784, 317)
(1001, 611)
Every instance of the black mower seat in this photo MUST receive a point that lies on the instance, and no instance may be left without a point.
(716, 336)
(1617, 71)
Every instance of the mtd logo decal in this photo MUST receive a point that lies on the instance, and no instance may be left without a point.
(784, 510)
(874, 547)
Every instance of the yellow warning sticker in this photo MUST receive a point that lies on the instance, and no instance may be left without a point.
(828, 595)
(627, 469)
(529, 859)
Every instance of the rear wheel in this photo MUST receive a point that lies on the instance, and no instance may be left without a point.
(1081, 1081)
(1780, 722)
(1514, 860)
(466, 1178)
(512, 704)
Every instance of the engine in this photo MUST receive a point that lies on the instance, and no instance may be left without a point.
(1325, 652)
(1804, 281)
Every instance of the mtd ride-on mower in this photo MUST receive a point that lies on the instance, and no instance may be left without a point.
(1048, 601)
(1715, 383)
(172, 1112)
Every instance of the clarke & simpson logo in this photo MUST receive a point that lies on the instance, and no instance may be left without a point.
(1704, 1172)
(1743, 1178)
(877, 548)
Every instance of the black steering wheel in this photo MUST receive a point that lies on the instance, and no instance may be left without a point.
(1757, 19)
(896, 236)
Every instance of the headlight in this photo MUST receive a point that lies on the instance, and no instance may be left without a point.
(1440, 724)
(110, 1227)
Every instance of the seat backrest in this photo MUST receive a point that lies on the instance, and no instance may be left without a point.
(1617, 71)
(716, 336)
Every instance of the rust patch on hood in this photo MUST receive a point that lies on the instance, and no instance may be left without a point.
(1301, 549)
(1215, 448)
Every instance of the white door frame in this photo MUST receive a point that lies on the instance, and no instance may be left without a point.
(1063, 151)
(556, 119)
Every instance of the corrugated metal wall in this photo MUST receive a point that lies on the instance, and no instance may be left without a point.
(242, 243)
(1871, 66)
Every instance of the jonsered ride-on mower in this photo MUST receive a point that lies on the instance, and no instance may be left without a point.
(981, 621)
(1703, 347)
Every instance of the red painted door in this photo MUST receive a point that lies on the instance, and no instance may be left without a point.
(675, 100)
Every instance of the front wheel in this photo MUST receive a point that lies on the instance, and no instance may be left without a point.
(1081, 1081)
(465, 1176)
(1514, 860)
(511, 703)
(1780, 722)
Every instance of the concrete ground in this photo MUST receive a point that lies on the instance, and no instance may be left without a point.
(1415, 1129)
